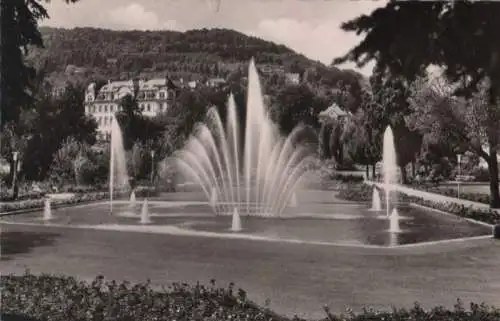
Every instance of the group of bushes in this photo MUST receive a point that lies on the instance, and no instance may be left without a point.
(55, 298)
(81, 196)
(364, 193)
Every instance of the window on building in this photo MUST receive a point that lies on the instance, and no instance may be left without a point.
(148, 107)
(108, 136)
(105, 108)
(162, 95)
(100, 108)
(164, 106)
(111, 108)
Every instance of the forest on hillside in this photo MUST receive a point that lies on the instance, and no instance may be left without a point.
(191, 54)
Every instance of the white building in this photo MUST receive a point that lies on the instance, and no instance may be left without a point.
(333, 113)
(154, 96)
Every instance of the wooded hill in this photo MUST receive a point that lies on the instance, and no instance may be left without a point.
(191, 54)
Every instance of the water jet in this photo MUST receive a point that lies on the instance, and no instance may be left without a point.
(47, 210)
(249, 168)
(389, 166)
(236, 222)
(145, 213)
(376, 202)
(132, 201)
(118, 177)
(394, 222)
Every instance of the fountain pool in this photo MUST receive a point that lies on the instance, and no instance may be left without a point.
(311, 221)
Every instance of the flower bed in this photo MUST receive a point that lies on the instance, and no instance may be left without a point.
(39, 203)
(80, 197)
(62, 298)
(364, 192)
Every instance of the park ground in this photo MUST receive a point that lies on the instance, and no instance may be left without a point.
(296, 278)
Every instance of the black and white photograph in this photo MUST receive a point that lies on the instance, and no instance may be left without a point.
(249, 160)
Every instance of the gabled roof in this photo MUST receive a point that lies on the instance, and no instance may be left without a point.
(333, 112)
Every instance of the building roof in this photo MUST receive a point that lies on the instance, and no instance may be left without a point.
(333, 112)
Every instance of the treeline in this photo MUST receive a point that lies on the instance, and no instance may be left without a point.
(191, 54)
(134, 51)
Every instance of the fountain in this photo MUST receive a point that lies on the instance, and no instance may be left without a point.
(293, 200)
(394, 222)
(145, 213)
(376, 202)
(236, 223)
(117, 163)
(258, 177)
(47, 210)
(213, 198)
(132, 201)
(389, 166)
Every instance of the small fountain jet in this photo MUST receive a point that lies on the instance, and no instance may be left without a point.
(145, 219)
(236, 223)
(47, 210)
(376, 202)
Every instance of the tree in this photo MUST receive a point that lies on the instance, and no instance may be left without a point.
(19, 30)
(405, 38)
(49, 125)
(297, 104)
(465, 124)
(69, 160)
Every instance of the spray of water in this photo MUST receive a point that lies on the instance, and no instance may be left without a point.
(257, 178)
(118, 177)
(389, 166)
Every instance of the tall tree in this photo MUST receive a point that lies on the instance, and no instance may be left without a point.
(19, 30)
(463, 123)
(407, 37)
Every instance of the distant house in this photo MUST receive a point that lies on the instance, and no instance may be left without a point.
(154, 96)
(269, 69)
(333, 113)
(216, 82)
(192, 84)
(292, 78)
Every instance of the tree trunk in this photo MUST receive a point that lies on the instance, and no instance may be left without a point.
(367, 171)
(373, 172)
(493, 171)
(413, 169)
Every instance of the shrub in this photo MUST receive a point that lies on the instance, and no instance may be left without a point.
(347, 177)
(55, 298)
(65, 298)
(39, 203)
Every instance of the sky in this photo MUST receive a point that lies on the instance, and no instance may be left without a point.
(311, 27)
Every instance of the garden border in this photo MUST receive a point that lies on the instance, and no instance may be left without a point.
(451, 214)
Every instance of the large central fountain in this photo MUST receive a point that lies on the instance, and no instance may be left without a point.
(256, 175)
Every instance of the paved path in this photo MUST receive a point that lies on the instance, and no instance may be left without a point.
(434, 196)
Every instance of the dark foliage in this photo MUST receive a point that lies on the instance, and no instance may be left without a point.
(46, 297)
